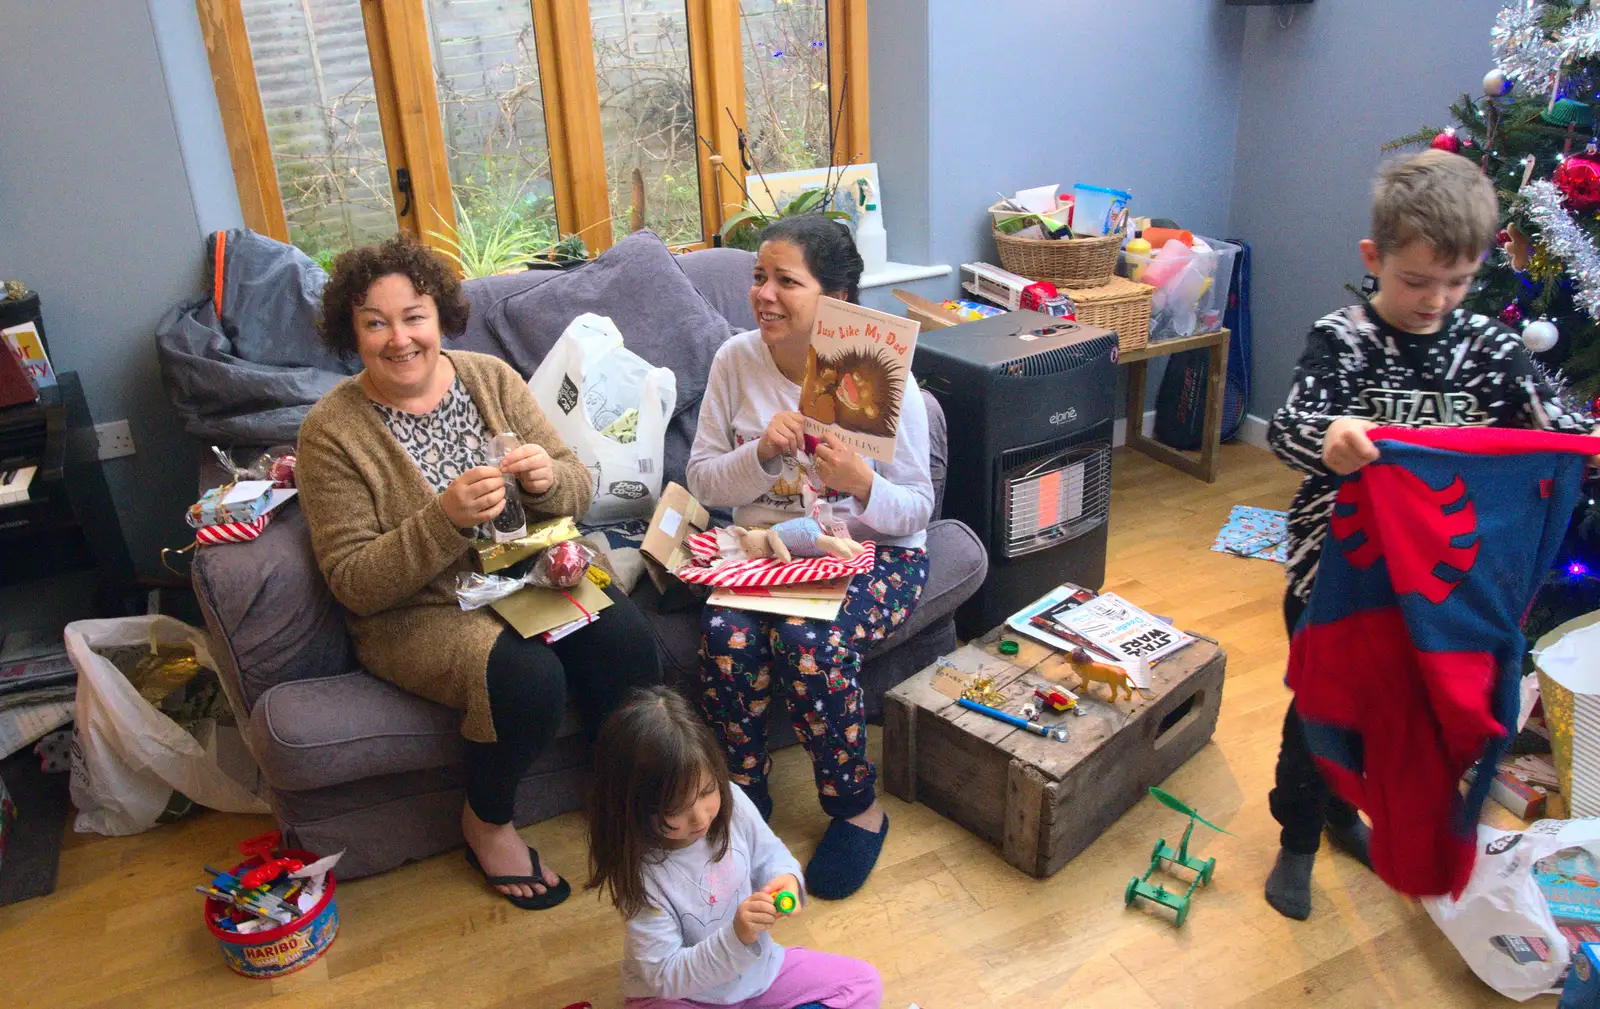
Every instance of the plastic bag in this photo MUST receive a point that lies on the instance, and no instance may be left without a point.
(131, 761)
(590, 383)
(1503, 925)
(560, 567)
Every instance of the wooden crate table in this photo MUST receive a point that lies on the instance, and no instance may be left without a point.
(1041, 800)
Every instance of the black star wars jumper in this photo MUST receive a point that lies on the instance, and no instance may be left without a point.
(1473, 372)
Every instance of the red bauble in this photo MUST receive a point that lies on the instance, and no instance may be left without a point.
(1578, 178)
(1511, 315)
(1503, 238)
(1447, 141)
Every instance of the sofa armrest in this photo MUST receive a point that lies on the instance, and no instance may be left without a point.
(271, 616)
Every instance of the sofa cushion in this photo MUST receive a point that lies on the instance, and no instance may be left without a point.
(270, 610)
(640, 286)
(313, 734)
(723, 276)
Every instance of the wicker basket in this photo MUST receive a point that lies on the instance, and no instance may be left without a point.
(1120, 306)
(1066, 262)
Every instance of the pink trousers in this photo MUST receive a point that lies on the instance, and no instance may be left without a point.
(838, 982)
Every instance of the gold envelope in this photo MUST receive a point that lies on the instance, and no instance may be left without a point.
(533, 611)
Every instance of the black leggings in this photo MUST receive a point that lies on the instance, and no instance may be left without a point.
(1301, 800)
(530, 683)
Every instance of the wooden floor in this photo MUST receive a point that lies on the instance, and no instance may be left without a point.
(944, 918)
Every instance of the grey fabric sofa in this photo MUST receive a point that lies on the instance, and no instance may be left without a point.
(356, 764)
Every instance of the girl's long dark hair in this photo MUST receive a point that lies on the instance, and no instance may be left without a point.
(651, 758)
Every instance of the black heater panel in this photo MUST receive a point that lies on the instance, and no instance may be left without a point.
(1028, 400)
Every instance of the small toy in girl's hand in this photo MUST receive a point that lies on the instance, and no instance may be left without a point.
(785, 901)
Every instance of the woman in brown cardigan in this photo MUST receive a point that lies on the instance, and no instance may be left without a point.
(393, 483)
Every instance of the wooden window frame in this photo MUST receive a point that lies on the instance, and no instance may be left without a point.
(413, 136)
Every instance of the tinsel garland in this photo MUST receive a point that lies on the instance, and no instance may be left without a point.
(1580, 39)
(1521, 49)
(1556, 379)
(1564, 238)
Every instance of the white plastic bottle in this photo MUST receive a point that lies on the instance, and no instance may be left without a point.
(871, 240)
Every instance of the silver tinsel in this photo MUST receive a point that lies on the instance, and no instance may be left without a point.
(1565, 239)
(1521, 49)
(1556, 379)
(1580, 39)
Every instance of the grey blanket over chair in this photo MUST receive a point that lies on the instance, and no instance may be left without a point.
(250, 376)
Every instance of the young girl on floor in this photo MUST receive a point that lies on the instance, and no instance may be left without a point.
(693, 868)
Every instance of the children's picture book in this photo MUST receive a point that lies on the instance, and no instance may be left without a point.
(856, 376)
(29, 350)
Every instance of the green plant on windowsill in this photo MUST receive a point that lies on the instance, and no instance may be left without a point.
(567, 252)
(743, 230)
(497, 242)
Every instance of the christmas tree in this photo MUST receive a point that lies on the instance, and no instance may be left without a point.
(1534, 131)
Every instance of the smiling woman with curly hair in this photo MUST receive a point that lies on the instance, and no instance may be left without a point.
(395, 481)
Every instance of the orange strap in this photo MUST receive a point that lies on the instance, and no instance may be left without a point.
(220, 245)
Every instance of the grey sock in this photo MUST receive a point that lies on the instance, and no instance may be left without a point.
(1353, 839)
(1289, 885)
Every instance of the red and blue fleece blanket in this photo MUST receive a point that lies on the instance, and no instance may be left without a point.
(1406, 664)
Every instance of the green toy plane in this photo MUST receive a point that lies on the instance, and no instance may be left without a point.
(1139, 886)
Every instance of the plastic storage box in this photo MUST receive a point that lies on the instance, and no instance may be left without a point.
(1192, 285)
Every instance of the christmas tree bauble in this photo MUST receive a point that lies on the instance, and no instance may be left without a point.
(1540, 335)
(1511, 315)
(1496, 83)
(1447, 141)
(1578, 178)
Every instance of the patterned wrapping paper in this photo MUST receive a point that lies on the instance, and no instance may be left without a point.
(1254, 532)
(766, 571)
(231, 532)
(211, 509)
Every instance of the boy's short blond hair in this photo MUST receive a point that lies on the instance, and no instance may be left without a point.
(1438, 198)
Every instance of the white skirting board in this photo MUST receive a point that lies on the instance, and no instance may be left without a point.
(1252, 432)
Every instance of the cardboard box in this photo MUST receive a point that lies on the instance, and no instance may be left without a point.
(678, 516)
(930, 314)
(1582, 990)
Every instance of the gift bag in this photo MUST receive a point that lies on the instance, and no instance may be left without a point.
(612, 406)
(1505, 923)
(132, 761)
(1568, 660)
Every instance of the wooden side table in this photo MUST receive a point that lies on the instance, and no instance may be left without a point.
(1138, 361)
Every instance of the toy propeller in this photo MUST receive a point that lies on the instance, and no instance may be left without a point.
(1172, 802)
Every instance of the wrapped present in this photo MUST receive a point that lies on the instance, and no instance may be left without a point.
(491, 556)
(231, 532)
(709, 568)
(1569, 690)
(244, 501)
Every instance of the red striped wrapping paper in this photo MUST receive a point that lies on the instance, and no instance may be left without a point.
(231, 532)
(766, 571)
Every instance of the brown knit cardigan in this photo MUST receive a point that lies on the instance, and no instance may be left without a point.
(390, 554)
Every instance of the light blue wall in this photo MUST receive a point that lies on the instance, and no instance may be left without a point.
(1318, 100)
(97, 214)
(1138, 94)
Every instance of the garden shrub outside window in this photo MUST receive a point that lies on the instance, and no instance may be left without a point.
(493, 128)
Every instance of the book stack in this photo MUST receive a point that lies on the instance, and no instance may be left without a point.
(1105, 625)
(38, 687)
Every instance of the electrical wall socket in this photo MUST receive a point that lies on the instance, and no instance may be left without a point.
(115, 439)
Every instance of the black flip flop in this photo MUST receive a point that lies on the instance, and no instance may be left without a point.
(552, 895)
